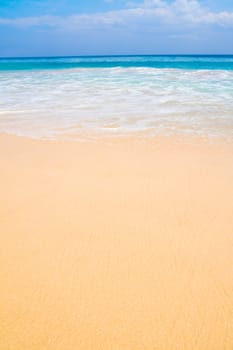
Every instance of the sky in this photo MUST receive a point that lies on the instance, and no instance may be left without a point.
(115, 27)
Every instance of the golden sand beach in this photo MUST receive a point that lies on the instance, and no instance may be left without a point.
(121, 244)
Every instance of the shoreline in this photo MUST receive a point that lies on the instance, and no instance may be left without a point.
(119, 244)
(104, 136)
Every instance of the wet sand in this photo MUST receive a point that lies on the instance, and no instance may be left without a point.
(116, 245)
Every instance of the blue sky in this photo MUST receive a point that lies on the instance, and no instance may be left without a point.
(95, 27)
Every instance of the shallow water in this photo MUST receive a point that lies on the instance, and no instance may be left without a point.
(49, 103)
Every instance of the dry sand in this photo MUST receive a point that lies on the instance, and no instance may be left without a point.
(116, 245)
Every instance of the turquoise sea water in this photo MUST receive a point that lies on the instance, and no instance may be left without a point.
(85, 96)
(173, 61)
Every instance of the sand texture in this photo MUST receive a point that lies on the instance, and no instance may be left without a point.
(116, 245)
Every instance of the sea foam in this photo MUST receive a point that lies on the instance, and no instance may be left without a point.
(112, 101)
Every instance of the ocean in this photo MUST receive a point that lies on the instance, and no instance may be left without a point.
(76, 97)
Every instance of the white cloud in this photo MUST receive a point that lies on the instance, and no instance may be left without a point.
(149, 12)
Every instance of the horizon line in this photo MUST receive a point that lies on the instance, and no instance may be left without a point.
(113, 55)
